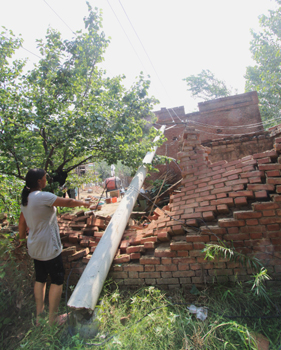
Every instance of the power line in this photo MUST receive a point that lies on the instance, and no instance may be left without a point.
(148, 58)
(59, 17)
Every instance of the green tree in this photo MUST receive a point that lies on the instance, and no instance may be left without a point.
(265, 76)
(65, 112)
(206, 87)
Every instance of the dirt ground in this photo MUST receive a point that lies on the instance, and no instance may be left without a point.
(106, 209)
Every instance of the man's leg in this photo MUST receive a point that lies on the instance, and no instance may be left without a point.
(39, 293)
(54, 300)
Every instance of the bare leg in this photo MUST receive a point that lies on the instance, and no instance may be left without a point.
(54, 300)
(39, 293)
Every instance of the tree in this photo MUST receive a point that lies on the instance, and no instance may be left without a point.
(265, 76)
(65, 112)
(206, 87)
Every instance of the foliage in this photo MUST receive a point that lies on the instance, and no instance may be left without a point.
(213, 250)
(265, 76)
(65, 111)
(10, 197)
(206, 87)
(149, 319)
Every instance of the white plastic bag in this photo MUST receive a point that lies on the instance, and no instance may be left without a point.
(201, 312)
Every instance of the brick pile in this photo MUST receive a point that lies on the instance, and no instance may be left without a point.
(238, 202)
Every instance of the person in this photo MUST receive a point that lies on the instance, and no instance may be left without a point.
(38, 215)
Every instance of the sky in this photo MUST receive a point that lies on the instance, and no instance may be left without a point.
(168, 40)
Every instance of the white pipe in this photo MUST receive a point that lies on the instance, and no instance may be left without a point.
(87, 291)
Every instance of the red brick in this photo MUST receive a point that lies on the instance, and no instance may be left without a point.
(261, 194)
(257, 187)
(249, 194)
(236, 237)
(197, 238)
(165, 268)
(247, 215)
(230, 223)
(121, 259)
(274, 166)
(197, 245)
(273, 173)
(270, 220)
(252, 174)
(265, 206)
(149, 245)
(135, 249)
(208, 216)
(149, 268)
(227, 201)
(183, 273)
(220, 190)
(252, 222)
(255, 235)
(185, 260)
(274, 227)
(145, 260)
(207, 208)
(148, 239)
(271, 153)
(274, 180)
(240, 201)
(133, 267)
(135, 256)
(181, 246)
(222, 209)
(79, 254)
(168, 281)
(269, 212)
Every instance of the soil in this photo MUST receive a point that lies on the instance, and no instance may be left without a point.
(106, 209)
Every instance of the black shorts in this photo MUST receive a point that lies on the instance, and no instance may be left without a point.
(53, 267)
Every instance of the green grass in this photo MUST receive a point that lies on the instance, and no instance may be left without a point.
(145, 319)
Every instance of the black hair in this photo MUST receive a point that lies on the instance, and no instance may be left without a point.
(31, 181)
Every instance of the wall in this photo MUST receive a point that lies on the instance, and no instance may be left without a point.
(238, 202)
(220, 122)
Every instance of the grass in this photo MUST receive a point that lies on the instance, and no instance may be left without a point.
(147, 318)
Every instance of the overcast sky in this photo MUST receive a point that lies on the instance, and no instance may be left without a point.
(169, 40)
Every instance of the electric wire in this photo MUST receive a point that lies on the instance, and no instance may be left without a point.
(59, 17)
(148, 58)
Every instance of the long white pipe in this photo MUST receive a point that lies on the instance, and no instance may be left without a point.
(87, 291)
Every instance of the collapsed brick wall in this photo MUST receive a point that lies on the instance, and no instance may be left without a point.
(239, 200)
(220, 122)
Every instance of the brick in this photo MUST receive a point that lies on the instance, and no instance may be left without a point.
(133, 267)
(176, 230)
(256, 173)
(261, 194)
(274, 166)
(273, 173)
(240, 201)
(135, 249)
(227, 201)
(183, 274)
(135, 256)
(265, 206)
(197, 238)
(184, 260)
(145, 260)
(222, 209)
(148, 239)
(207, 208)
(149, 268)
(249, 194)
(149, 275)
(220, 190)
(149, 245)
(271, 153)
(270, 220)
(230, 223)
(252, 222)
(257, 187)
(181, 246)
(121, 259)
(164, 253)
(274, 227)
(274, 180)
(247, 215)
(167, 281)
(79, 254)
(208, 216)
(165, 268)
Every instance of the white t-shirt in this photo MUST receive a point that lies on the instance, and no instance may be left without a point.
(43, 240)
